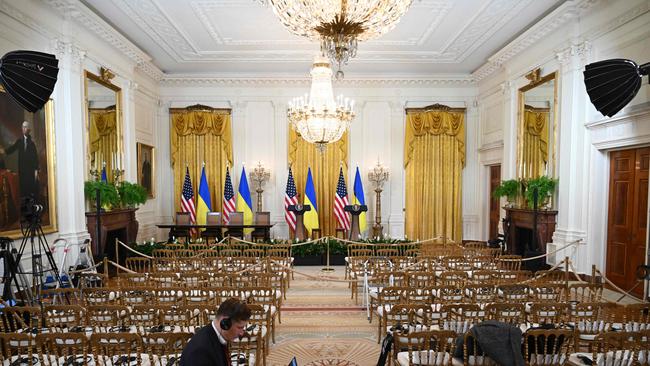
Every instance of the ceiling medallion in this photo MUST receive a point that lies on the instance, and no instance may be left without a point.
(339, 24)
(316, 116)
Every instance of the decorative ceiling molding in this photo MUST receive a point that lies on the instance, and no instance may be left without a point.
(167, 34)
(559, 17)
(13, 12)
(443, 80)
(76, 10)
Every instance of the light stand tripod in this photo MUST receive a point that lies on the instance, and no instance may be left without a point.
(34, 236)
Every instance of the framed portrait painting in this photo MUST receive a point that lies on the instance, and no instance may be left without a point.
(27, 176)
(146, 169)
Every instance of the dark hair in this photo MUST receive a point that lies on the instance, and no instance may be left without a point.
(234, 309)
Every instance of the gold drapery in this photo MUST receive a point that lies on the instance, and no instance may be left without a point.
(434, 157)
(198, 137)
(102, 133)
(534, 156)
(325, 172)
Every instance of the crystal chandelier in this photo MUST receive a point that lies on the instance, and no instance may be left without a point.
(317, 117)
(339, 24)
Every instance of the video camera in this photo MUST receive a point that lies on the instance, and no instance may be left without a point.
(30, 210)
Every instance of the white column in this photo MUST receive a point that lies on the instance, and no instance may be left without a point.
(397, 175)
(239, 135)
(164, 173)
(508, 167)
(70, 140)
(471, 183)
(573, 158)
(280, 169)
(128, 131)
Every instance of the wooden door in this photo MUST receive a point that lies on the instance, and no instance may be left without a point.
(495, 180)
(627, 216)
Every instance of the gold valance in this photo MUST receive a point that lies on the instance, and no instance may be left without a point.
(434, 122)
(197, 137)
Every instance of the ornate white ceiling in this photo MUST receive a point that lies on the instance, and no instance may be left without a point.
(241, 38)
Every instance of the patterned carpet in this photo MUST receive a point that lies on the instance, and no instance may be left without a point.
(321, 325)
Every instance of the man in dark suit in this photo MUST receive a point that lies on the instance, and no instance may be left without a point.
(209, 346)
(27, 162)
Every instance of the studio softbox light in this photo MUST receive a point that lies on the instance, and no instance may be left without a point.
(29, 77)
(611, 84)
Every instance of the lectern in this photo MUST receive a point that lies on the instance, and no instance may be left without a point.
(299, 210)
(355, 211)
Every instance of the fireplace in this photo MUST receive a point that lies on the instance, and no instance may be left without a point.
(519, 230)
(114, 224)
(524, 237)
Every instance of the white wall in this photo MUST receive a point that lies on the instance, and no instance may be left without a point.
(32, 25)
(260, 132)
(609, 29)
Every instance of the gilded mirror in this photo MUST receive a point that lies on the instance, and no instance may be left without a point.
(104, 123)
(537, 126)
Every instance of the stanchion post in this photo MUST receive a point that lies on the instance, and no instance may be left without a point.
(327, 267)
(117, 257)
(106, 266)
(566, 271)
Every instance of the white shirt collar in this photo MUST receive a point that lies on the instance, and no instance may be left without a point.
(222, 340)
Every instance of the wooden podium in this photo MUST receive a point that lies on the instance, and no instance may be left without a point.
(355, 211)
(300, 210)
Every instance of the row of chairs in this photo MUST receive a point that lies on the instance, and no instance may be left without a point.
(539, 347)
(64, 349)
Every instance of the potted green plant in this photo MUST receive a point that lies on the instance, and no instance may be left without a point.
(307, 254)
(109, 197)
(545, 188)
(509, 189)
(131, 194)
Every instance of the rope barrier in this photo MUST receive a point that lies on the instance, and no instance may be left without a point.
(575, 242)
(322, 278)
(134, 251)
(625, 293)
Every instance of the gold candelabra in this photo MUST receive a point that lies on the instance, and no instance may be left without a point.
(378, 175)
(259, 175)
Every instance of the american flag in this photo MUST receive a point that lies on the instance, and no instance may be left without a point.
(228, 198)
(290, 198)
(340, 201)
(187, 197)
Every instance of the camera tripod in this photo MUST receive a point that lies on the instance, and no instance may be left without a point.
(15, 275)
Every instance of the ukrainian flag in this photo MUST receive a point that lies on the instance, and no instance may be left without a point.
(203, 204)
(359, 199)
(244, 203)
(310, 218)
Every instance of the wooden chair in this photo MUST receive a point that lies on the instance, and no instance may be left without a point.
(17, 349)
(143, 317)
(131, 296)
(182, 218)
(260, 218)
(236, 218)
(165, 348)
(62, 296)
(481, 294)
(106, 318)
(506, 313)
(509, 262)
(616, 348)
(138, 264)
(118, 348)
(473, 354)
(63, 317)
(63, 349)
(548, 347)
(434, 347)
(133, 279)
(585, 292)
(514, 293)
(548, 313)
